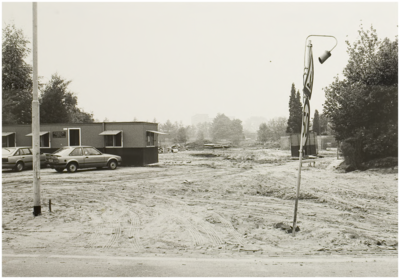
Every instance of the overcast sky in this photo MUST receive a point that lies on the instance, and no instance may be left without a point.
(170, 61)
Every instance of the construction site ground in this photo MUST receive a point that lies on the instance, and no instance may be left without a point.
(216, 203)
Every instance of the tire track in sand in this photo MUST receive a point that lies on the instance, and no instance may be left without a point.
(116, 230)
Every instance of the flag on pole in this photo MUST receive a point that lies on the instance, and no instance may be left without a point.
(306, 120)
(309, 75)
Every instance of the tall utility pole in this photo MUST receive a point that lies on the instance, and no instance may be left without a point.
(304, 132)
(308, 80)
(37, 209)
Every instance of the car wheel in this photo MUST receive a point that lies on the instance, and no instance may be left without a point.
(19, 166)
(112, 165)
(59, 169)
(72, 167)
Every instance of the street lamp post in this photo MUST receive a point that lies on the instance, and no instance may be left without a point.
(308, 80)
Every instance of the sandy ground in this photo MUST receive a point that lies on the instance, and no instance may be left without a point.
(40, 265)
(212, 203)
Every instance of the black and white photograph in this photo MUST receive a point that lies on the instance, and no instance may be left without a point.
(200, 139)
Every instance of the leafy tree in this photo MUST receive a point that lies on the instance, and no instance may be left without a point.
(167, 127)
(191, 132)
(181, 136)
(204, 128)
(236, 131)
(372, 61)
(273, 130)
(79, 116)
(323, 124)
(200, 137)
(171, 130)
(316, 125)
(16, 77)
(277, 127)
(223, 128)
(362, 108)
(263, 133)
(295, 112)
(58, 105)
(16, 73)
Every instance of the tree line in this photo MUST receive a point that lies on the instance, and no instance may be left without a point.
(362, 107)
(222, 128)
(275, 128)
(57, 103)
(360, 110)
(319, 123)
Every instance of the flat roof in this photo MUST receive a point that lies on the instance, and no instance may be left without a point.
(120, 122)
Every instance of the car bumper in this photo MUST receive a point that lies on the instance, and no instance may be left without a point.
(56, 165)
(8, 165)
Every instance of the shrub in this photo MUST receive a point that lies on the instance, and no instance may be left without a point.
(352, 151)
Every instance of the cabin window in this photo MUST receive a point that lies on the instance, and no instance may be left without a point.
(44, 139)
(8, 139)
(112, 138)
(150, 138)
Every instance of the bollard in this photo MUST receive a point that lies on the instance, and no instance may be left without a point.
(50, 205)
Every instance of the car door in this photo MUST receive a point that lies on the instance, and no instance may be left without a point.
(77, 156)
(26, 156)
(93, 157)
(15, 157)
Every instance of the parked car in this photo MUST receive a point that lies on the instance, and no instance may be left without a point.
(19, 158)
(74, 157)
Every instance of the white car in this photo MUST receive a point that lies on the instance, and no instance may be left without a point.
(19, 158)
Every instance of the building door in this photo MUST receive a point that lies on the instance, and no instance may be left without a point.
(74, 137)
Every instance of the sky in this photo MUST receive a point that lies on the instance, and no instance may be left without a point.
(162, 61)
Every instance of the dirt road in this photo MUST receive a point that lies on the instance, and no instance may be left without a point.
(215, 203)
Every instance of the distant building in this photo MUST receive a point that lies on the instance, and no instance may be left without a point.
(253, 123)
(200, 118)
(135, 142)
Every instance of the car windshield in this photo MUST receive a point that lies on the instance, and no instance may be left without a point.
(58, 151)
(8, 150)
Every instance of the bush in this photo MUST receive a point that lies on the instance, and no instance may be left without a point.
(381, 143)
(272, 145)
(363, 107)
(352, 152)
(388, 162)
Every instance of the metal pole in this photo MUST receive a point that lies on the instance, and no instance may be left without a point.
(300, 160)
(37, 210)
(298, 177)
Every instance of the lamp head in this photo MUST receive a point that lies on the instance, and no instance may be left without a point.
(324, 56)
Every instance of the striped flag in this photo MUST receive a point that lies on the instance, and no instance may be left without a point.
(306, 120)
(309, 76)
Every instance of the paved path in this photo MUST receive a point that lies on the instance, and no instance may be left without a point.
(94, 266)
